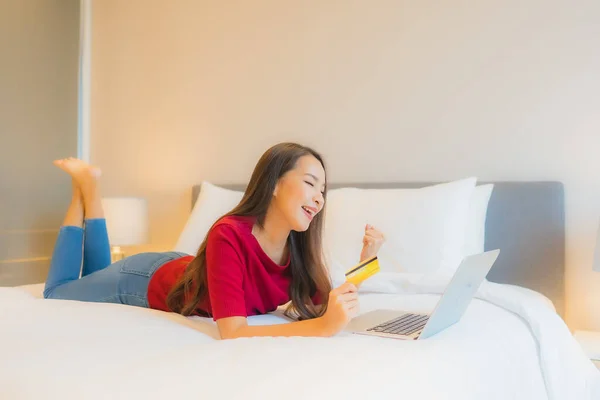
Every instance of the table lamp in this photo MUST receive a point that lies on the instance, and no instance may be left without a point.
(596, 266)
(590, 341)
(126, 222)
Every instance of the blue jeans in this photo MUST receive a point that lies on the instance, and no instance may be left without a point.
(86, 251)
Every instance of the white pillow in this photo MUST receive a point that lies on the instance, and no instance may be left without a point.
(424, 228)
(475, 235)
(213, 202)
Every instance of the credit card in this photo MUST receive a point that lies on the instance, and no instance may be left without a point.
(362, 271)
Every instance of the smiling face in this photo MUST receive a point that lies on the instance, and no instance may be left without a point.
(299, 194)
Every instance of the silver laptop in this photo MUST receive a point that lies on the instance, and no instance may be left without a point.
(448, 311)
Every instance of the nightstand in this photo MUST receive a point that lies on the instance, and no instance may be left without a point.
(590, 342)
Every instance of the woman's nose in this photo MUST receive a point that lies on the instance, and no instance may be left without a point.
(318, 199)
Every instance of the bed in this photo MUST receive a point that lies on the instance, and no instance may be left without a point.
(511, 343)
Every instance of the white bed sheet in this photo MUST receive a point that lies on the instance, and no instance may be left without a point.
(509, 345)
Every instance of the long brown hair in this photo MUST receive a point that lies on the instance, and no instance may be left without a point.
(309, 275)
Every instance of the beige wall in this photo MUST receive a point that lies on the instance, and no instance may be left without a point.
(506, 90)
(39, 67)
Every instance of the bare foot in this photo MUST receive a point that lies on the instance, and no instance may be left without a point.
(79, 170)
(85, 177)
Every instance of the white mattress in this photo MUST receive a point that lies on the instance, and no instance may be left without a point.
(509, 345)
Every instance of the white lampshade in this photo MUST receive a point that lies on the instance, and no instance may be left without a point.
(126, 220)
(597, 252)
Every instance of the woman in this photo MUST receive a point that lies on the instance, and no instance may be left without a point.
(262, 254)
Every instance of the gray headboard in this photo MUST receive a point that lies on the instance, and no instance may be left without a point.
(526, 220)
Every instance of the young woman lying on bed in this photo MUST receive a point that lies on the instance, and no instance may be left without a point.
(262, 254)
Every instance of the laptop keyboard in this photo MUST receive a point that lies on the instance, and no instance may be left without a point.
(406, 324)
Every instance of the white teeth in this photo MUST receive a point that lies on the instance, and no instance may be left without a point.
(307, 210)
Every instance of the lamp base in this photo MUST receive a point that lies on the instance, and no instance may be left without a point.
(116, 254)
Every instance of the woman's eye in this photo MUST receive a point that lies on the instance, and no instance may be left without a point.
(309, 183)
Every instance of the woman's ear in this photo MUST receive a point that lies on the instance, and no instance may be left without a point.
(276, 189)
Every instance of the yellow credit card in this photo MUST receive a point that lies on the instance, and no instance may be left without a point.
(362, 271)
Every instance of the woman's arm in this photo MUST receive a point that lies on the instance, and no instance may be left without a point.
(341, 307)
(372, 241)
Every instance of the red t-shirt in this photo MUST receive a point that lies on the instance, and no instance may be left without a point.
(242, 278)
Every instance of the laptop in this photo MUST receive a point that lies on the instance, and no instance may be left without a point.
(448, 311)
